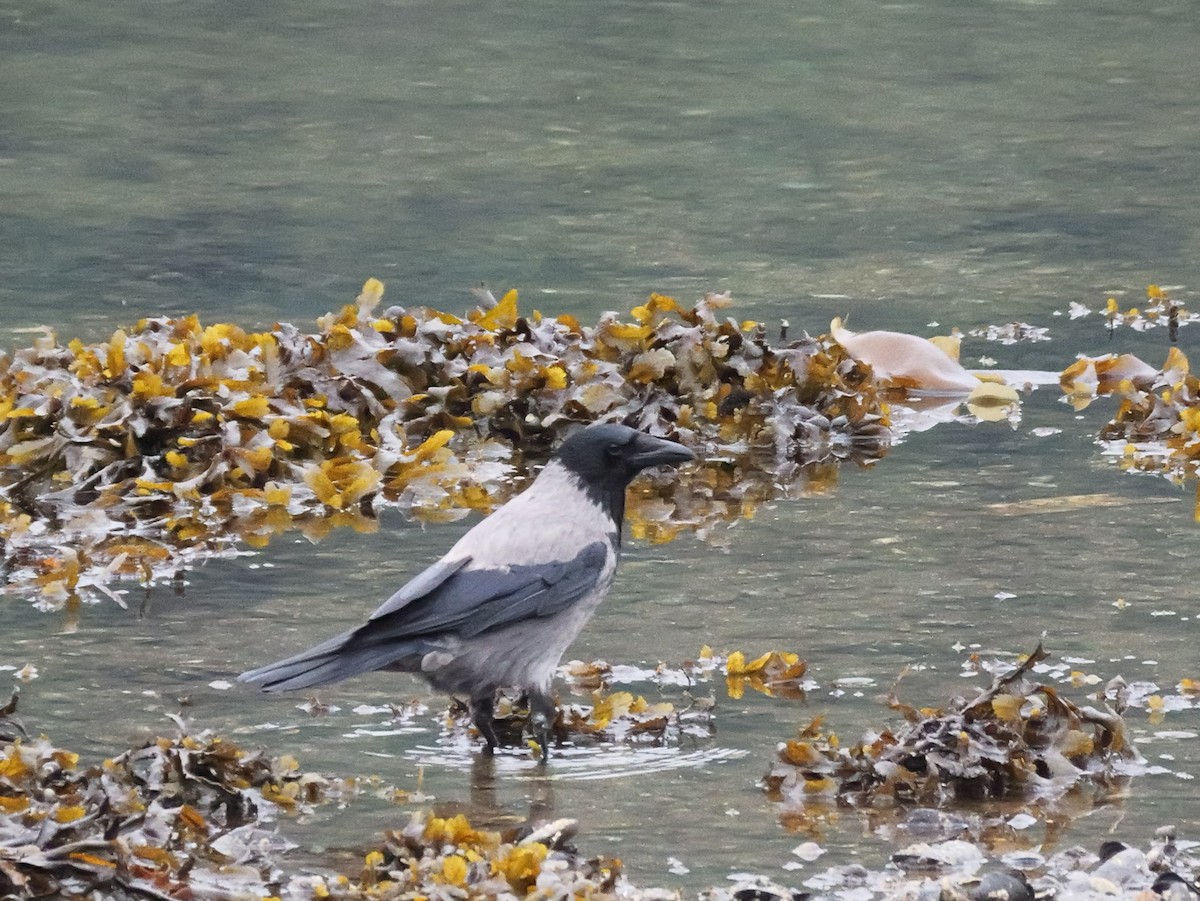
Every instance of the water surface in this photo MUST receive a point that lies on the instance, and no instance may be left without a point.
(907, 163)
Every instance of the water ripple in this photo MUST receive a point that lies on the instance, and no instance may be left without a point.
(577, 764)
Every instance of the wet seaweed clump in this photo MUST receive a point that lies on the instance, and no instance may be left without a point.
(1018, 743)
(1158, 418)
(448, 858)
(174, 440)
(188, 816)
(193, 817)
(1156, 426)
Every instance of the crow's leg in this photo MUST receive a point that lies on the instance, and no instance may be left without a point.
(483, 714)
(542, 713)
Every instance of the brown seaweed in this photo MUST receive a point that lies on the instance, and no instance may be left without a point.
(173, 441)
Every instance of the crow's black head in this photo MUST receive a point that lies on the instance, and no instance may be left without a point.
(606, 456)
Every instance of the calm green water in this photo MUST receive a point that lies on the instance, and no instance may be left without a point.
(906, 163)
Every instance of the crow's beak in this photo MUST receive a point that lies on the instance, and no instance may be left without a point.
(647, 451)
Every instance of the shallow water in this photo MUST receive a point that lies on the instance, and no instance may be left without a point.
(905, 163)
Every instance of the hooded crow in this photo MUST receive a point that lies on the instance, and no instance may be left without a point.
(505, 602)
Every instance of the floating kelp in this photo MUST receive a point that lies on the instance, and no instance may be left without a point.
(448, 858)
(1088, 377)
(1156, 427)
(775, 673)
(174, 440)
(1019, 743)
(1160, 311)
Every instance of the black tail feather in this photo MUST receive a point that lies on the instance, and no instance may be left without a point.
(328, 662)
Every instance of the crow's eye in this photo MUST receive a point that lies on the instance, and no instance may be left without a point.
(613, 451)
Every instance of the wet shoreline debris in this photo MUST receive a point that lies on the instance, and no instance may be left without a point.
(956, 870)
(194, 816)
(129, 459)
(197, 817)
(188, 816)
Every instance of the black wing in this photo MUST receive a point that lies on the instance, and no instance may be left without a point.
(468, 602)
